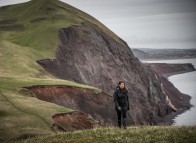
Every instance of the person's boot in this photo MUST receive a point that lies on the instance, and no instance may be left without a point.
(125, 123)
(119, 123)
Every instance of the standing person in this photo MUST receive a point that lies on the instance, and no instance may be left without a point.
(121, 101)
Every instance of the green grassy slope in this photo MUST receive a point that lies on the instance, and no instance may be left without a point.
(19, 50)
(145, 134)
(25, 116)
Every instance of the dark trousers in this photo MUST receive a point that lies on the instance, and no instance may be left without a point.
(121, 114)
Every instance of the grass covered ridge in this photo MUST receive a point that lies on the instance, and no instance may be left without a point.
(141, 134)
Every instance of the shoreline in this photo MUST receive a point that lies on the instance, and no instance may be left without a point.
(170, 118)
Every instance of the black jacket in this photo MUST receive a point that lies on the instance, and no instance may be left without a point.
(121, 99)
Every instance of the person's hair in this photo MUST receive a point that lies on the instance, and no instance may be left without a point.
(119, 83)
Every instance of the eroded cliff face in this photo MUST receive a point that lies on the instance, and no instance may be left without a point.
(96, 105)
(89, 56)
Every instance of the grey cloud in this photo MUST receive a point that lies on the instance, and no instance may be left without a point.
(134, 7)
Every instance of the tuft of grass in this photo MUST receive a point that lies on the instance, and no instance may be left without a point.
(140, 134)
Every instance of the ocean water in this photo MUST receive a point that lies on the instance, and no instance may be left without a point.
(186, 83)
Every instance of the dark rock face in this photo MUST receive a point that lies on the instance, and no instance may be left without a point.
(89, 56)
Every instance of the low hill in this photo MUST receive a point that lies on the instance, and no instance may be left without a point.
(164, 54)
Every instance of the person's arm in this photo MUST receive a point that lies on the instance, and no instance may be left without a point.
(116, 100)
(127, 102)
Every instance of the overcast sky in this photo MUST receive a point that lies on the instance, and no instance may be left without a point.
(143, 23)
